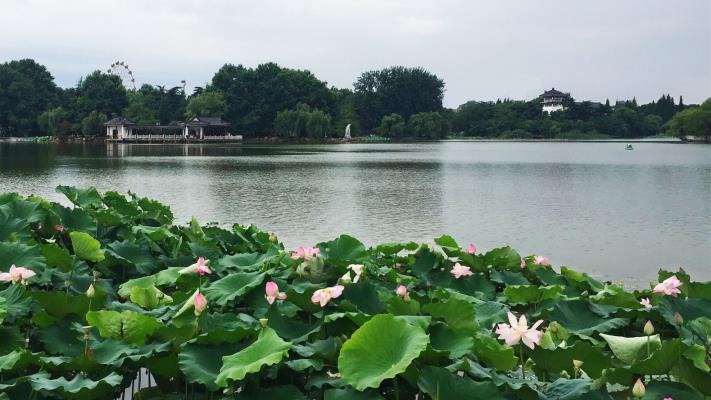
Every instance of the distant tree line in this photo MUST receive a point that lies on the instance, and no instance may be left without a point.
(396, 102)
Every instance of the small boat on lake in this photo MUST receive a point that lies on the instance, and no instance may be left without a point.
(629, 147)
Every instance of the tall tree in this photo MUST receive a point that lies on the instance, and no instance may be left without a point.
(255, 95)
(100, 92)
(399, 90)
(26, 90)
(209, 103)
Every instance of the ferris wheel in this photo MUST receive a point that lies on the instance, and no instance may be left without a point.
(121, 69)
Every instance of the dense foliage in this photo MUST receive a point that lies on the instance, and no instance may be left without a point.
(395, 102)
(694, 121)
(92, 293)
(302, 122)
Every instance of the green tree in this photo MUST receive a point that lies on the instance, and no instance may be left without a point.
(345, 113)
(692, 121)
(392, 125)
(143, 105)
(101, 92)
(254, 96)
(27, 89)
(55, 122)
(171, 104)
(396, 90)
(208, 103)
(426, 125)
(302, 122)
(93, 124)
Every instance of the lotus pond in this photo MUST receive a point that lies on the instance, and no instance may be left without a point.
(93, 293)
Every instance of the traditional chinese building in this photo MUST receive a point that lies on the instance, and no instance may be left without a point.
(193, 130)
(554, 100)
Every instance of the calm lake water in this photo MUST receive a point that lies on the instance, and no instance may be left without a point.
(593, 206)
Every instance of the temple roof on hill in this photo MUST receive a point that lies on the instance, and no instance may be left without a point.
(206, 121)
(554, 93)
(120, 121)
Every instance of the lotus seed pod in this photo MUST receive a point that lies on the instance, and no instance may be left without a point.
(577, 364)
(263, 321)
(273, 237)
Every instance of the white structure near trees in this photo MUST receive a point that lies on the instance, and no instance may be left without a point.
(195, 129)
(554, 100)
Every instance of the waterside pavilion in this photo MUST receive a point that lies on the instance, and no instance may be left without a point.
(198, 129)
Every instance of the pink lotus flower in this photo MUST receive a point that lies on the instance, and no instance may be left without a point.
(273, 293)
(402, 292)
(459, 271)
(200, 303)
(668, 398)
(669, 286)
(306, 253)
(541, 260)
(471, 249)
(646, 303)
(17, 275)
(201, 268)
(58, 228)
(523, 263)
(358, 269)
(518, 331)
(323, 296)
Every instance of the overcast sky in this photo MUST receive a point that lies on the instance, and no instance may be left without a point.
(482, 49)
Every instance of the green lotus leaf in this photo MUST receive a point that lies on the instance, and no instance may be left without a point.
(16, 360)
(201, 364)
(656, 390)
(503, 258)
(130, 326)
(456, 343)
(582, 279)
(302, 364)
(86, 247)
(489, 313)
(578, 317)
(21, 255)
(493, 353)
(459, 314)
(247, 261)
(345, 248)
(157, 233)
(448, 245)
(227, 289)
(268, 349)
(167, 276)
(149, 297)
(380, 349)
(350, 394)
(365, 296)
(284, 392)
(616, 296)
(3, 308)
(531, 293)
(116, 353)
(326, 348)
(292, 329)
(631, 349)
(697, 355)
(439, 383)
(28, 211)
(79, 385)
(561, 359)
(153, 209)
(18, 302)
(12, 229)
(61, 304)
(134, 255)
(75, 219)
(84, 198)
(57, 257)
(508, 277)
(567, 389)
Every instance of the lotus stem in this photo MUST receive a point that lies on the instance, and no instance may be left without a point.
(397, 389)
(523, 373)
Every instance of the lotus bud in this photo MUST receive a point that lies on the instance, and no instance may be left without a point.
(200, 303)
(90, 292)
(553, 327)
(648, 328)
(263, 322)
(678, 318)
(577, 364)
(67, 284)
(638, 389)
(273, 237)
(96, 274)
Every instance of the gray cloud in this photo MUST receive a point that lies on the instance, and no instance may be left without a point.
(483, 50)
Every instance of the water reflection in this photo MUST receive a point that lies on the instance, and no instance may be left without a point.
(615, 213)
